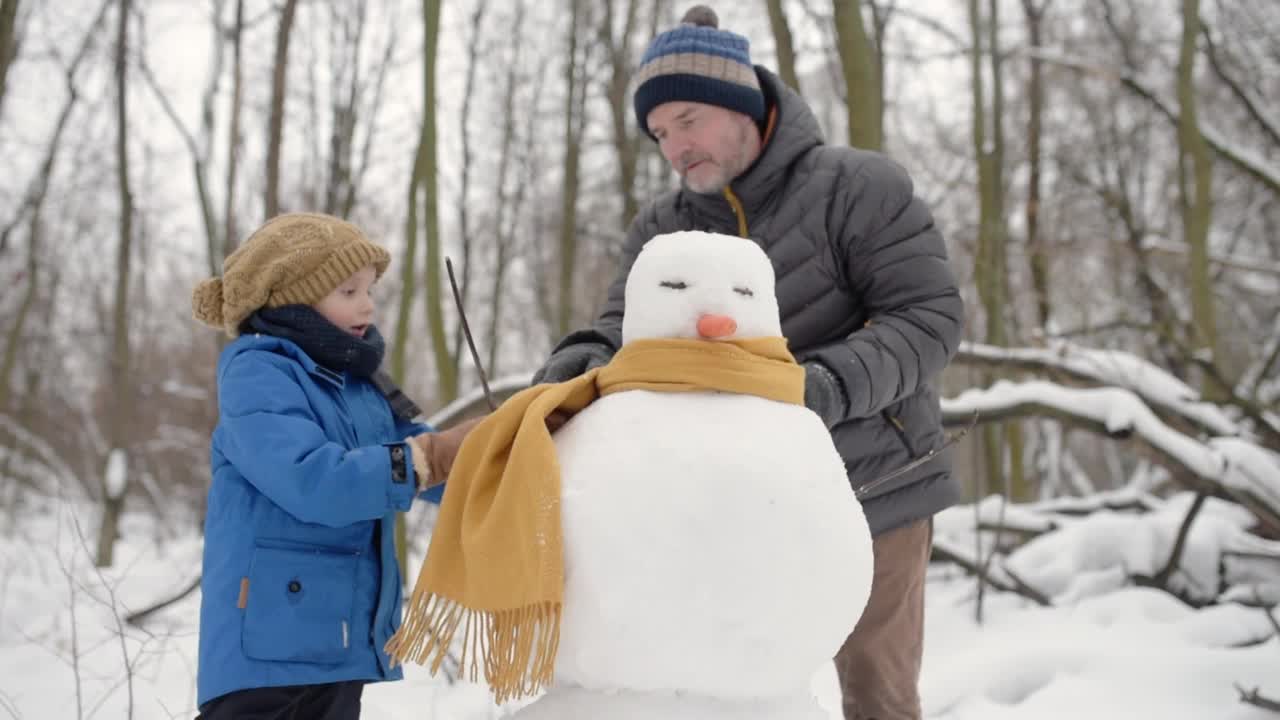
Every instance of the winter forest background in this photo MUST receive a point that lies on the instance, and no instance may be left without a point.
(1106, 172)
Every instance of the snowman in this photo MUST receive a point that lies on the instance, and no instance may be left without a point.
(715, 555)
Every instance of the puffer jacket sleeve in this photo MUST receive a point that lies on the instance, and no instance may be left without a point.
(896, 263)
(275, 441)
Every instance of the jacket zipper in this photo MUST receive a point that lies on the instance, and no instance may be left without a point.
(736, 205)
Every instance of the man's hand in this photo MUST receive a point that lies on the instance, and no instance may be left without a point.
(571, 361)
(557, 419)
(824, 393)
(434, 452)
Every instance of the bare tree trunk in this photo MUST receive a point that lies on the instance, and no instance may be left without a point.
(783, 46)
(508, 210)
(1195, 174)
(408, 261)
(990, 271)
(626, 142)
(863, 94)
(13, 338)
(366, 151)
(1037, 257)
(8, 42)
(275, 125)
(231, 237)
(446, 364)
(115, 477)
(346, 84)
(880, 17)
(464, 185)
(423, 181)
(208, 111)
(574, 87)
(408, 293)
(1018, 486)
(33, 211)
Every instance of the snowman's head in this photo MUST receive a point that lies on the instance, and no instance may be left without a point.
(700, 285)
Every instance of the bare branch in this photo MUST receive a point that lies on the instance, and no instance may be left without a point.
(136, 618)
(784, 50)
(1162, 578)
(1249, 164)
(1023, 588)
(198, 158)
(1250, 105)
(1254, 698)
(942, 553)
(1248, 264)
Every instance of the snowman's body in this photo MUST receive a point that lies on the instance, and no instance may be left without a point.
(715, 554)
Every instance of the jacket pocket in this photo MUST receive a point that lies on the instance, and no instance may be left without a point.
(298, 606)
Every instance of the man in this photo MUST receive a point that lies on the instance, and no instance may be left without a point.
(868, 303)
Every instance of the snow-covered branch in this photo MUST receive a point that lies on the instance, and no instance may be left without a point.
(1228, 465)
(1067, 362)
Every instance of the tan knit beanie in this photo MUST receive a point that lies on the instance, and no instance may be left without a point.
(296, 258)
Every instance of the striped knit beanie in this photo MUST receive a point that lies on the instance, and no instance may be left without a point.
(698, 62)
(293, 259)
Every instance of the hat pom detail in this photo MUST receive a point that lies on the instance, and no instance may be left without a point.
(701, 16)
(206, 302)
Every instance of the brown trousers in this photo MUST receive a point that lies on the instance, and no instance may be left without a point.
(879, 665)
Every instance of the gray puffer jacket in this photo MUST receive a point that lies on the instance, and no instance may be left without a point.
(863, 286)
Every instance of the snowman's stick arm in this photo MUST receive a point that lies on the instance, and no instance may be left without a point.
(466, 331)
(865, 490)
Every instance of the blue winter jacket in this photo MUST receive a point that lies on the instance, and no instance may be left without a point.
(300, 578)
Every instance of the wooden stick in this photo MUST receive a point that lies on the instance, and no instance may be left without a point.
(466, 330)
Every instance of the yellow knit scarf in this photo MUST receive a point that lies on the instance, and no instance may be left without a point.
(495, 567)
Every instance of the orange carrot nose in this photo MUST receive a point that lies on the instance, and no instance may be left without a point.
(716, 326)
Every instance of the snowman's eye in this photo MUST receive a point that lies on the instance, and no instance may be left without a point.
(674, 284)
(744, 291)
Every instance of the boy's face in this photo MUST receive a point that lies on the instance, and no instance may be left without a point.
(350, 305)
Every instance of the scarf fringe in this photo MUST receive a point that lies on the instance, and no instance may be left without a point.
(518, 646)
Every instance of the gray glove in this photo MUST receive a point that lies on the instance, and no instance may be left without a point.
(824, 393)
(571, 361)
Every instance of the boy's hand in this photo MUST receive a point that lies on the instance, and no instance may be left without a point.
(434, 452)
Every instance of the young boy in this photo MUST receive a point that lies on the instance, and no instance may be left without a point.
(312, 456)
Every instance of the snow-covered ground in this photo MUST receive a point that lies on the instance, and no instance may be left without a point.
(1101, 652)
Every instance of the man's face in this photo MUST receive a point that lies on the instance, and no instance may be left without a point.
(707, 145)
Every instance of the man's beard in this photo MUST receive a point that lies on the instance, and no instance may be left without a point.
(712, 186)
(727, 172)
